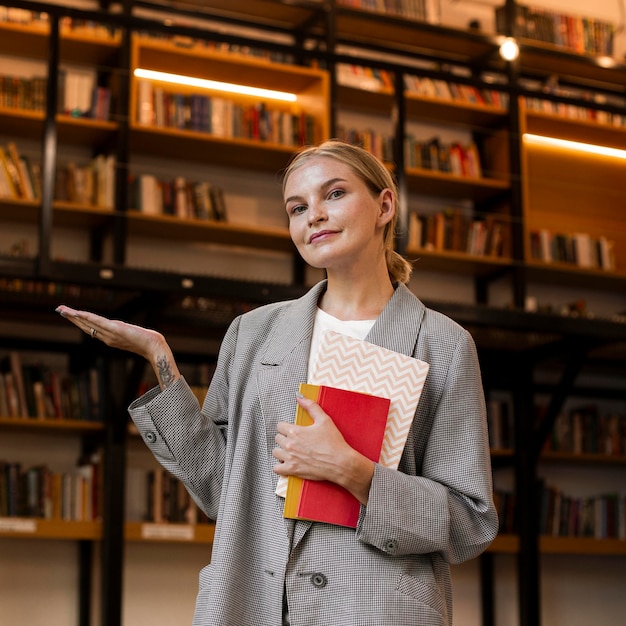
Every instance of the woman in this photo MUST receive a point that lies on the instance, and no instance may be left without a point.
(436, 509)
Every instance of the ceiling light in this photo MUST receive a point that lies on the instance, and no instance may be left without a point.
(509, 50)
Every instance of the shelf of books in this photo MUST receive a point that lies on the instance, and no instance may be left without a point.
(585, 233)
(287, 107)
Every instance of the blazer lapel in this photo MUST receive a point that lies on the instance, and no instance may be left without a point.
(284, 367)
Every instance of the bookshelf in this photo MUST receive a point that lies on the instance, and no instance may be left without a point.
(516, 192)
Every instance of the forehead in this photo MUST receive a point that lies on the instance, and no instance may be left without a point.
(316, 171)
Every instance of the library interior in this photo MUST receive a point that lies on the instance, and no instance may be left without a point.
(129, 125)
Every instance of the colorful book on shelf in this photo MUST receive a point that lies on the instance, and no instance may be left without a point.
(361, 418)
(356, 365)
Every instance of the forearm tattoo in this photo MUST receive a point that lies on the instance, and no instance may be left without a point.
(164, 370)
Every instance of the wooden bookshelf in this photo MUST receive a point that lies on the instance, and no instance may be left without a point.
(169, 532)
(225, 233)
(34, 528)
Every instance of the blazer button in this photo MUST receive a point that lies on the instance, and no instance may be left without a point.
(391, 545)
(150, 437)
(319, 580)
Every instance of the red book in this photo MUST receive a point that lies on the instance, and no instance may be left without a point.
(361, 418)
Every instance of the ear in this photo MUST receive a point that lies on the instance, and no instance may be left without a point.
(387, 206)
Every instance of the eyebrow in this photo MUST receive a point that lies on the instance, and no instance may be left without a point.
(323, 187)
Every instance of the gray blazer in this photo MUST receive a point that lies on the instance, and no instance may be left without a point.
(436, 510)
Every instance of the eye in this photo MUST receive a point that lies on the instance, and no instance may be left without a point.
(296, 209)
(335, 194)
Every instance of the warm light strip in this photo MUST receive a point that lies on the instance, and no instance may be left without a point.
(575, 145)
(202, 83)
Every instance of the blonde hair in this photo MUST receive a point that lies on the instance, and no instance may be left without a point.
(376, 177)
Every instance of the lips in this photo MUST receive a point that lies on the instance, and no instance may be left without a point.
(322, 234)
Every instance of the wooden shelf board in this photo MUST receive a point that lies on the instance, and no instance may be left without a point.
(458, 262)
(171, 227)
(430, 182)
(509, 544)
(203, 62)
(85, 131)
(379, 102)
(582, 458)
(261, 12)
(436, 110)
(582, 545)
(585, 131)
(547, 59)
(50, 425)
(505, 544)
(35, 528)
(20, 123)
(26, 40)
(75, 215)
(17, 210)
(206, 148)
(399, 33)
(169, 532)
(81, 46)
(571, 275)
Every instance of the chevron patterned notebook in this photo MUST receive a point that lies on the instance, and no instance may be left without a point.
(356, 365)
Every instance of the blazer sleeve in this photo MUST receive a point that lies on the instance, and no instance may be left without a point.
(448, 507)
(188, 442)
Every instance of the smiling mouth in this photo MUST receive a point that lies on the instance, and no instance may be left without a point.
(320, 235)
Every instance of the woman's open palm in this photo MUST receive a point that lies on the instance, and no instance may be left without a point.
(115, 333)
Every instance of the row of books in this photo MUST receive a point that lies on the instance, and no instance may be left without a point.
(575, 112)
(381, 146)
(180, 197)
(39, 492)
(90, 184)
(580, 34)
(374, 79)
(562, 515)
(453, 230)
(599, 517)
(500, 421)
(80, 96)
(36, 391)
(364, 77)
(222, 117)
(448, 157)
(579, 249)
(587, 430)
(156, 496)
(457, 92)
(421, 10)
(20, 177)
(27, 94)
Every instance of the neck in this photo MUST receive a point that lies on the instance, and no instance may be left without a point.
(352, 298)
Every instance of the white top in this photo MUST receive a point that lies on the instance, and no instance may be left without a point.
(324, 322)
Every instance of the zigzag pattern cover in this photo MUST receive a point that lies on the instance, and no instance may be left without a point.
(356, 365)
(349, 363)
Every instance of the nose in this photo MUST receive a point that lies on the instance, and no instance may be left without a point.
(316, 212)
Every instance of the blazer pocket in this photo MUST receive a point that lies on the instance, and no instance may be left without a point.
(422, 592)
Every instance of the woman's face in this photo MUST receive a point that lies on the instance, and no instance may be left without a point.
(334, 220)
